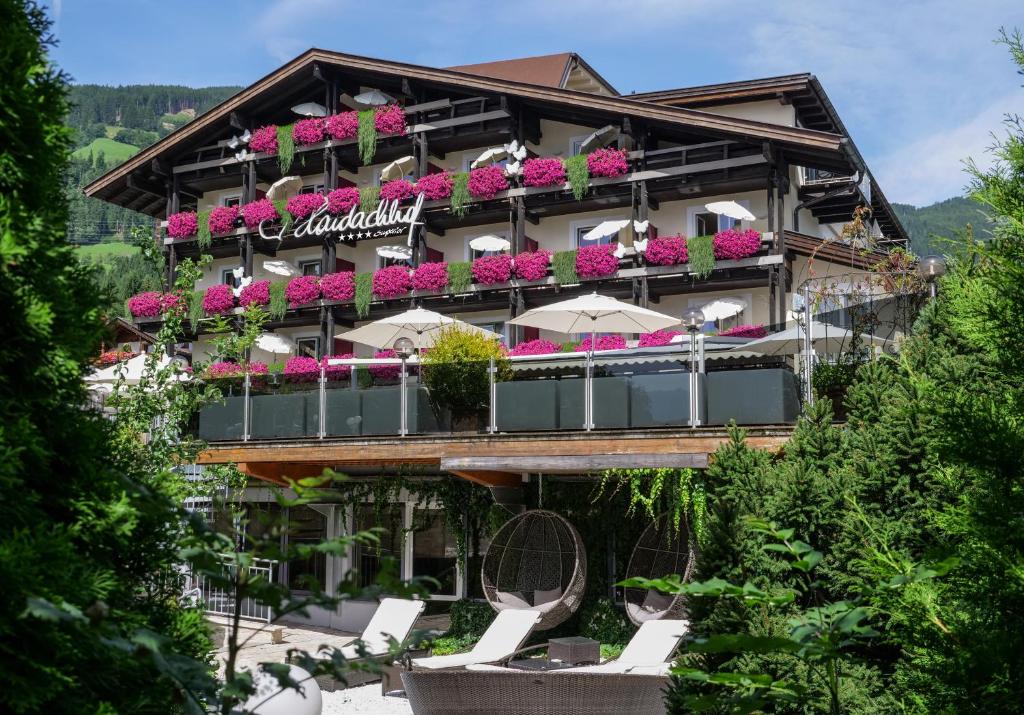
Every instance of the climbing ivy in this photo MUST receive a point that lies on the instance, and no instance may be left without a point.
(678, 492)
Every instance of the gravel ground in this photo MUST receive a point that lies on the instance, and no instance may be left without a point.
(364, 700)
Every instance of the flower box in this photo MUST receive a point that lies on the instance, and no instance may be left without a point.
(302, 290)
(302, 205)
(543, 171)
(264, 140)
(490, 270)
(596, 261)
(531, 265)
(256, 293)
(338, 286)
(391, 282)
(184, 224)
(342, 126)
(222, 219)
(608, 162)
(343, 200)
(734, 244)
(435, 187)
(398, 190)
(485, 183)
(657, 339)
(666, 251)
(430, 276)
(256, 212)
(219, 299)
(309, 131)
(389, 119)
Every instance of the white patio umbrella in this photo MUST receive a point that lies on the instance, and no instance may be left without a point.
(730, 209)
(275, 344)
(595, 314)
(281, 268)
(419, 325)
(722, 308)
(824, 339)
(600, 138)
(490, 242)
(310, 109)
(367, 99)
(132, 370)
(400, 253)
(489, 156)
(284, 187)
(398, 168)
(605, 228)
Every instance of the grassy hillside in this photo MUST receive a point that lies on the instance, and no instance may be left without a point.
(101, 251)
(113, 151)
(931, 228)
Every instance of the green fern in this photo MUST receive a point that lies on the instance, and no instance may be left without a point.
(460, 194)
(369, 197)
(285, 148)
(364, 293)
(460, 276)
(278, 302)
(578, 174)
(701, 252)
(205, 237)
(563, 265)
(367, 136)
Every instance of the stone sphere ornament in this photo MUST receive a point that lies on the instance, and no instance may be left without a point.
(271, 699)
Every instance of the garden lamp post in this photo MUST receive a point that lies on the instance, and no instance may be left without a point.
(404, 349)
(930, 268)
(693, 321)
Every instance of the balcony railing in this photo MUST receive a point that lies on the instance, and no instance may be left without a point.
(219, 601)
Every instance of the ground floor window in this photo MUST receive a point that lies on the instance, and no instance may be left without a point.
(367, 559)
(307, 525)
(434, 550)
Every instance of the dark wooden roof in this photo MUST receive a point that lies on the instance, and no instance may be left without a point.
(845, 255)
(547, 70)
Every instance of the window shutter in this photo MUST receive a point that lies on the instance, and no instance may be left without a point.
(341, 265)
(342, 347)
(530, 333)
(434, 255)
(531, 245)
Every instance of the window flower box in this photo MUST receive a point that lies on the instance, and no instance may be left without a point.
(392, 282)
(338, 286)
(390, 119)
(745, 331)
(256, 212)
(435, 187)
(222, 219)
(342, 126)
(532, 265)
(608, 162)
(182, 225)
(657, 339)
(596, 261)
(256, 293)
(734, 244)
(489, 270)
(302, 205)
(218, 299)
(264, 139)
(309, 131)
(341, 201)
(485, 183)
(666, 251)
(302, 290)
(398, 190)
(430, 276)
(536, 347)
(603, 342)
(543, 171)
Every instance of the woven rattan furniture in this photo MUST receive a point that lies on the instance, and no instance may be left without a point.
(536, 561)
(506, 634)
(510, 692)
(657, 554)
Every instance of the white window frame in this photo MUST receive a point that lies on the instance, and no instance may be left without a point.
(224, 273)
(575, 226)
(692, 211)
(224, 199)
(307, 336)
(302, 263)
(483, 322)
(317, 188)
(573, 141)
(468, 252)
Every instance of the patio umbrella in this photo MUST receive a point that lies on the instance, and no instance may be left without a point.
(489, 243)
(281, 268)
(400, 253)
(275, 344)
(365, 100)
(722, 308)
(730, 209)
(398, 168)
(604, 229)
(594, 314)
(600, 138)
(131, 370)
(284, 187)
(824, 339)
(419, 325)
(489, 156)
(310, 109)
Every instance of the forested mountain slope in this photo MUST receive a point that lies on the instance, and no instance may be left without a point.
(930, 226)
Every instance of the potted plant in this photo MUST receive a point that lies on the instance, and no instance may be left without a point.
(455, 373)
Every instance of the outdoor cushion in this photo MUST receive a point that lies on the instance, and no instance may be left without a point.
(506, 634)
(653, 643)
(656, 602)
(511, 599)
(549, 596)
(394, 618)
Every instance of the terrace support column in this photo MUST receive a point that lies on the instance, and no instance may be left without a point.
(248, 194)
(772, 300)
(419, 236)
(173, 206)
(782, 188)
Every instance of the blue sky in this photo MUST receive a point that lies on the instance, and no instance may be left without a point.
(920, 85)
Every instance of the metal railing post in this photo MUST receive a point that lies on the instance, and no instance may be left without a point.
(245, 409)
(403, 425)
(492, 425)
(808, 347)
(588, 391)
(322, 432)
(694, 400)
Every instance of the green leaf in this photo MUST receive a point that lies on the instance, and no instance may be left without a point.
(741, 643)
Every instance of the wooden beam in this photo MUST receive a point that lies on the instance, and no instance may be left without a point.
(577, 464)
(280, 473)
(489, 478)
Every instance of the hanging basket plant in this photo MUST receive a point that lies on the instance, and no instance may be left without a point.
(366, 135)
(342, 126)
(701, 255)
(578, 174)
(285, 148)
(485, 182)
(369, 197)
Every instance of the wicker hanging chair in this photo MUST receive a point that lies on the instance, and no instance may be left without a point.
(536, 561)
(659, 553)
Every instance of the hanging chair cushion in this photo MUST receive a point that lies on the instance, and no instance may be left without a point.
(513, 599)
(656, 602)
(544, 601)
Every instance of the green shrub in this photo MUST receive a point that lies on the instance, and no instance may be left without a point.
(460, 276)
(285, 148)
(701, 251)
(366, 138)
(469, 619)
(563, 266)
(460, 194)
(278, 302)
(369, 197)
(578, 174)
(455, 370)
(606, 623)
(364, 293)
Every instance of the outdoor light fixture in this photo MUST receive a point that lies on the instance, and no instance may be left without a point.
(404, 349)
(693, 321)
(930, 268)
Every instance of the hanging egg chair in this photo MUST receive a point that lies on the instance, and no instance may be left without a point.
(659, 553)
(536, 561)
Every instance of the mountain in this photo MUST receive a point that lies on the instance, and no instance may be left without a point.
(111, 124)
(931, 227)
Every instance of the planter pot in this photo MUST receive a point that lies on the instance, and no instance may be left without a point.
(611, 403)
(278, 416)
(753, 397)
(218, 423)
(663, 399)
(527, 405)
(342, 408)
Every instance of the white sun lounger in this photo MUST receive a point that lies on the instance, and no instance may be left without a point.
(394, 618)
(648, 651)
(506, 634)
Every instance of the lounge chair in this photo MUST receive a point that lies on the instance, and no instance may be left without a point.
(506, 634)
(648, 652)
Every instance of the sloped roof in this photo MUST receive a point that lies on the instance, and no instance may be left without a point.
(547, 70)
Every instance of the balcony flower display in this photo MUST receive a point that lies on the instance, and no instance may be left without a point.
(532, 265)
(603, 342)
(172, 302)
(398, 190)
(338, 286)
(596, 261)
(658, 338)
(435, 187)
(256, 212)
(536, 347)
(607, 162)
(745, 331)
(302, 369)
(222, 219)
(343, 200)
(146, 305)
(391, 282)
(485, 183)
(489, 270)
(735, 244)
(543, 171)
(112, 357)
(182, 225)
(218, 299)
(337, 372)
(302, 290)
(342, 126)
(223, 369)
(264, 139)
(385, 372)
(666, 251)
(389, 119)
(430, 276)
(309, 131)
(302, 205)
(256, 293)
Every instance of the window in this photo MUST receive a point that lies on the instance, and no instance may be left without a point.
(306, 525)
(227, 276)
(576, 144)
(367, 559)
(308, 347)
(497, 326)
(312, 189)
(231, 200)
(705, 223)
(472, 254)
(384, 262)
(434, 552)
(580, 229)
(310, 268)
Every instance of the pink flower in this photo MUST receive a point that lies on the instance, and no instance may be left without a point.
(385, 372)
(430, 276)
(112, 357)
(489, 270)
(733, 244)
(485, 183)
(398, 190)
(604, 342)
(172, 301)
(258, 368)
(219, 370)
(182, 225)
(435, 186)
(341, 201)
(222, 219)
(264, 139)
(536, 347)
(337, 372)
(390, 119)
(543, 171)
(302, 369)
(302, 205)
(658, 338)
(308, 131)
(343, 126)
(392, 282)
(666, 251)
(607, 162)
(338, 286)
(256, 293)
(218, 299)
(596, 261)
(256, 212)
(745, 331)
(531, 266)
(146, 305)
(302, 290)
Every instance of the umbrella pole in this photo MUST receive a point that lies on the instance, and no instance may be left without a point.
(588, 386)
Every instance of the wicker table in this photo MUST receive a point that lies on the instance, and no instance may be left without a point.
(538, 664)
(575, 650)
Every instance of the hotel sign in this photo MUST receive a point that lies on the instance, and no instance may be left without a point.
(388, 220)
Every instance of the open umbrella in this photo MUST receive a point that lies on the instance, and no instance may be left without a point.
(490, 243)
(489, 156)
(400, 253)
(367, 99)
(730, 209)
(722, 308)
(824, 339)
(285, 187)
(281, 268)
(275, 344)
(595, 314)
(600, 138)
(131, 371)
(604, 229)
(419, 325)
(398, 168)
(310, 109)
